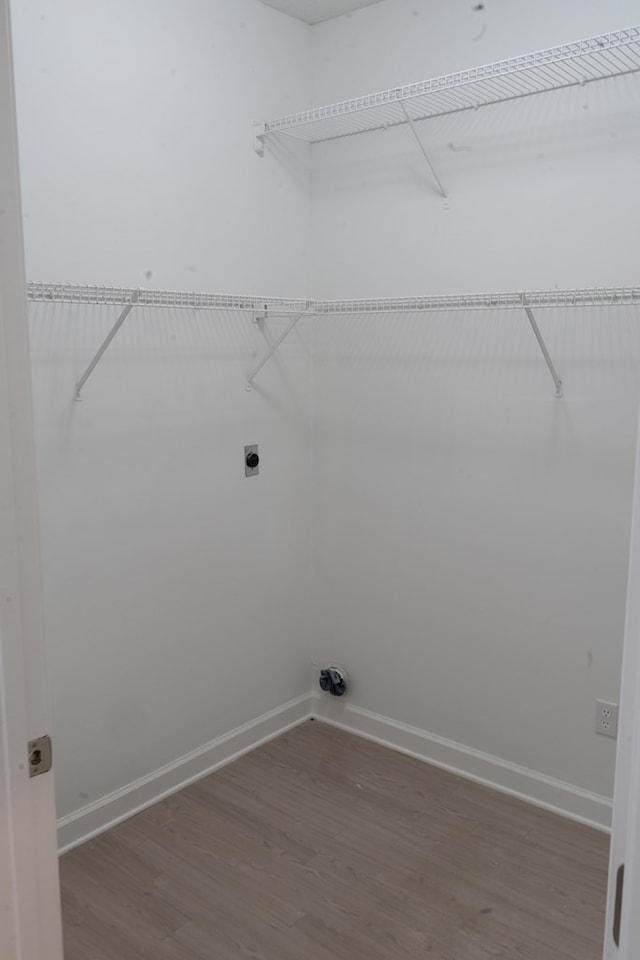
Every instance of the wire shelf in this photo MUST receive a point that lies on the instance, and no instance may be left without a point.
(556, 68)
(587, 297)
(128, 299)
(121, 296)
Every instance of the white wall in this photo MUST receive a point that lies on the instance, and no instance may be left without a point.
(164, 568)
(539, 190)
(471, 531)
(136, 142)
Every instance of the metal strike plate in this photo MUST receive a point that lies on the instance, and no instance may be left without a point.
(251, 460)
(617, 913)
(40, 754)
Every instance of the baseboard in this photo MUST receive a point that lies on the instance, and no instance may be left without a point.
(95, 818)
(529, 785)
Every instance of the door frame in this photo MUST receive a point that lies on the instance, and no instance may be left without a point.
(625, 830)
(30, 928)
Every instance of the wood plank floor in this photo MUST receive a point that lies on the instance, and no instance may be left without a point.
(322, 846)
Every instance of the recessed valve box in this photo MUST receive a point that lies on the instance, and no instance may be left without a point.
(333, 679)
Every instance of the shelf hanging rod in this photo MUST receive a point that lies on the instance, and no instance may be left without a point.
(425, 154)
(545, 353)
(283, 336)
(105, 344)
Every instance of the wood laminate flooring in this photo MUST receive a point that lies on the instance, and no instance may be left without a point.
(322, 846)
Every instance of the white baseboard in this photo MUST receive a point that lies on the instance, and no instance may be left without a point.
(529, 785)
(95, 818)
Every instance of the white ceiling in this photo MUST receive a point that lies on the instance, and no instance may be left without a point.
(314, 11)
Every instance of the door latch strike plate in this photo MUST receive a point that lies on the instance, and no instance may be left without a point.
(40, 754)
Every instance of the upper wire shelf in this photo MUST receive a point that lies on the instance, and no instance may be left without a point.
(556, 68)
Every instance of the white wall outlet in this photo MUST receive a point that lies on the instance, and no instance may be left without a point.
(607, 718)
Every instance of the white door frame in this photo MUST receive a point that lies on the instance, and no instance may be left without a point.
(625, 837)
(30, 927)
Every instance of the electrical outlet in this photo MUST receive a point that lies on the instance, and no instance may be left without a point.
(251, 460)
(607, 718)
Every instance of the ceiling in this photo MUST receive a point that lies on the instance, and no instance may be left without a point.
(314, 11)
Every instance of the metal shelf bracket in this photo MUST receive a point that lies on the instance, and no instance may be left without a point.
(425, 154)
(545, 353)
(283, 336)
(261, 315)
(135, 296)
(259, 137)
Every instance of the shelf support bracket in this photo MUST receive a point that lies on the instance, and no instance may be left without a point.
(414, 131)
(283, 336)
(545, 353)
(259, 137)
(258, 317)
(135, 296)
